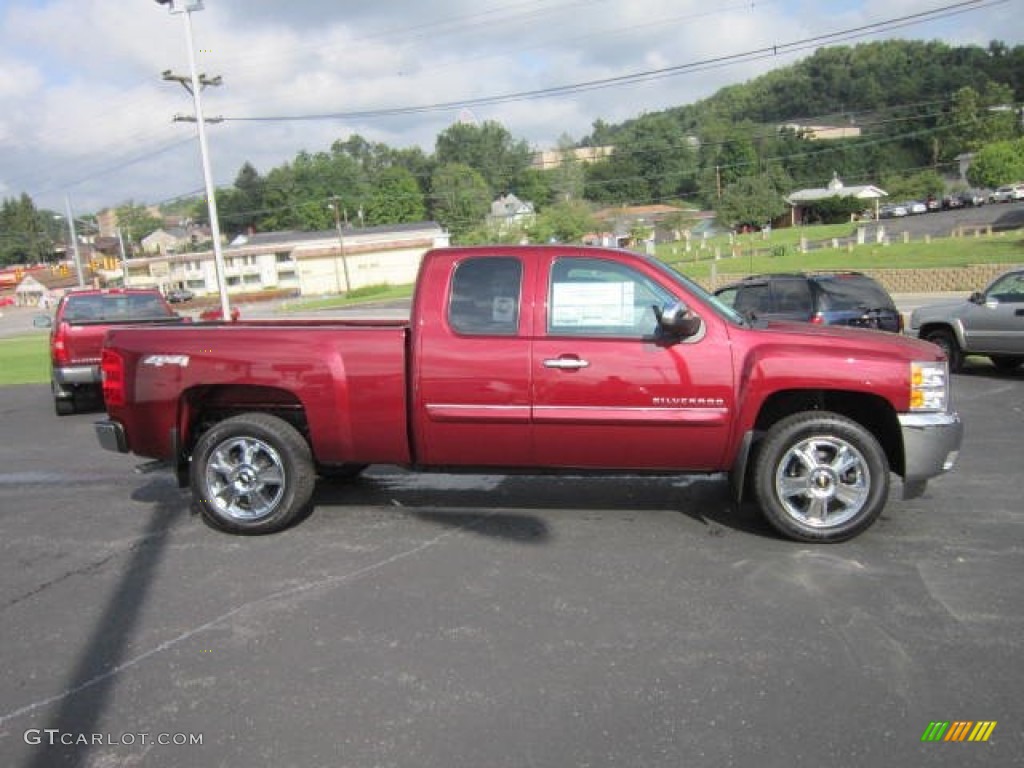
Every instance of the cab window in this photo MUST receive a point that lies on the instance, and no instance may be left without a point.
(485, 296)
(595, 297)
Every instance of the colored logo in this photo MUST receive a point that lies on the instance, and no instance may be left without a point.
(959, 730)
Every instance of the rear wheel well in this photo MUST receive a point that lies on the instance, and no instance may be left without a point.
(205, 406)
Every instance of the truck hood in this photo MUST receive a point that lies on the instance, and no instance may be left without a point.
(854, 340)
(945, 310)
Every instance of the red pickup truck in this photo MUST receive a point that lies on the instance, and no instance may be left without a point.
(80, 322)
(537, 358)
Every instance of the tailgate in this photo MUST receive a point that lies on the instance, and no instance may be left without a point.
(82, 343)
(84, 340)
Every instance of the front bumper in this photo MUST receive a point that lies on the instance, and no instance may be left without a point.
(931, 446)
(111, 436)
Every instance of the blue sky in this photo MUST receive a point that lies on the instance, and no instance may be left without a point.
(84, 111)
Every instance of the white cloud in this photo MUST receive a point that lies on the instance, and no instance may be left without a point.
(81, 98)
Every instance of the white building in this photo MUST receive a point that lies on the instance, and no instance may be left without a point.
(311, 263)
(802, 198)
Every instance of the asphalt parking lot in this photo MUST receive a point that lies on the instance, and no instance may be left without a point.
(440, 620)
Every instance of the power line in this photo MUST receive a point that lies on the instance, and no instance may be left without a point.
(648, 75)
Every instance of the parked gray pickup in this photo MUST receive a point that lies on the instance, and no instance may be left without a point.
(988, 323)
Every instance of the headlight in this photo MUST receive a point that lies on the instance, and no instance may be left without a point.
(929, 386)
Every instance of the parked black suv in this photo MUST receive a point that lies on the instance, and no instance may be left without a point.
(832, 298)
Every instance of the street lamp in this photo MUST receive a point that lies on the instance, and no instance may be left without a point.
(185, 8)
(74, 240)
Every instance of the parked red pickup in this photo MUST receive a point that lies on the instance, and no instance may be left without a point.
(81, 320)
(547, 359)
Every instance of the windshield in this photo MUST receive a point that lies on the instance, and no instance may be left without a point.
(114, 308)
(853, 294)
(722, 309)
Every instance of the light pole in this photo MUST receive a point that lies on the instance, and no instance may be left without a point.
(74, 240)
(341, 244)
(185, 8)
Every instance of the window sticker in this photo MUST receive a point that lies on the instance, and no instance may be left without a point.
(592, 305)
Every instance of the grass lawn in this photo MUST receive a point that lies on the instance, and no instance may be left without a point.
(25, 360)
(780, 254)
(358, 297)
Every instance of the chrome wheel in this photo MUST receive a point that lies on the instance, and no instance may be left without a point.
(246, 478)
(822, 482)
(819, 476)
(252, 474)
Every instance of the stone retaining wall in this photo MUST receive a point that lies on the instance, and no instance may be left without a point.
(939, 280)
(971, 278)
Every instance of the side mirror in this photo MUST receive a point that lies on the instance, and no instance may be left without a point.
(42, 321)
(677, 320)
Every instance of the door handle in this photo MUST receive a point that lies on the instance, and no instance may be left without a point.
(566, 363)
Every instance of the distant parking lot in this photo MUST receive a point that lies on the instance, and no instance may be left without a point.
(1001, 216)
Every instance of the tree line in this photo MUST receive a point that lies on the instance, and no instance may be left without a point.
(911, 108)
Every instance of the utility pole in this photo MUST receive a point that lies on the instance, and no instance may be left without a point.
(334, 205)
(194, 85)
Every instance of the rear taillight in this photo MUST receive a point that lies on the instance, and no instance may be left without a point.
(59, 348)
(112, 372)
(818, 319)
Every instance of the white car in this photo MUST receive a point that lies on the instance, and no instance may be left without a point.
(1008, 193)
(892, 212)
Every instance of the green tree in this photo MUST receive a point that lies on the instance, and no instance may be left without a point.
(136, 221)
(534, 186)
(751, 201)
(833, 210)
(615, 181)
(918, 186)
(488, 148)
(566, 221)
(737, 158)
(240, 207)
(27, 234)
(395, 198)
(996, 164)
(655, 149)
(297, 194)
(460, 198)
(975, 119)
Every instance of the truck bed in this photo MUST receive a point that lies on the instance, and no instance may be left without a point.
(340, 368)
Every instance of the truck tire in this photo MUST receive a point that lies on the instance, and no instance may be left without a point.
(943, 337)
(64, 406)
(820, 477)
(63, 400)
(252, 474)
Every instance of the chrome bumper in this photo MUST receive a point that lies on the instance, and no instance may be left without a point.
(931, 446)
(77, 374)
